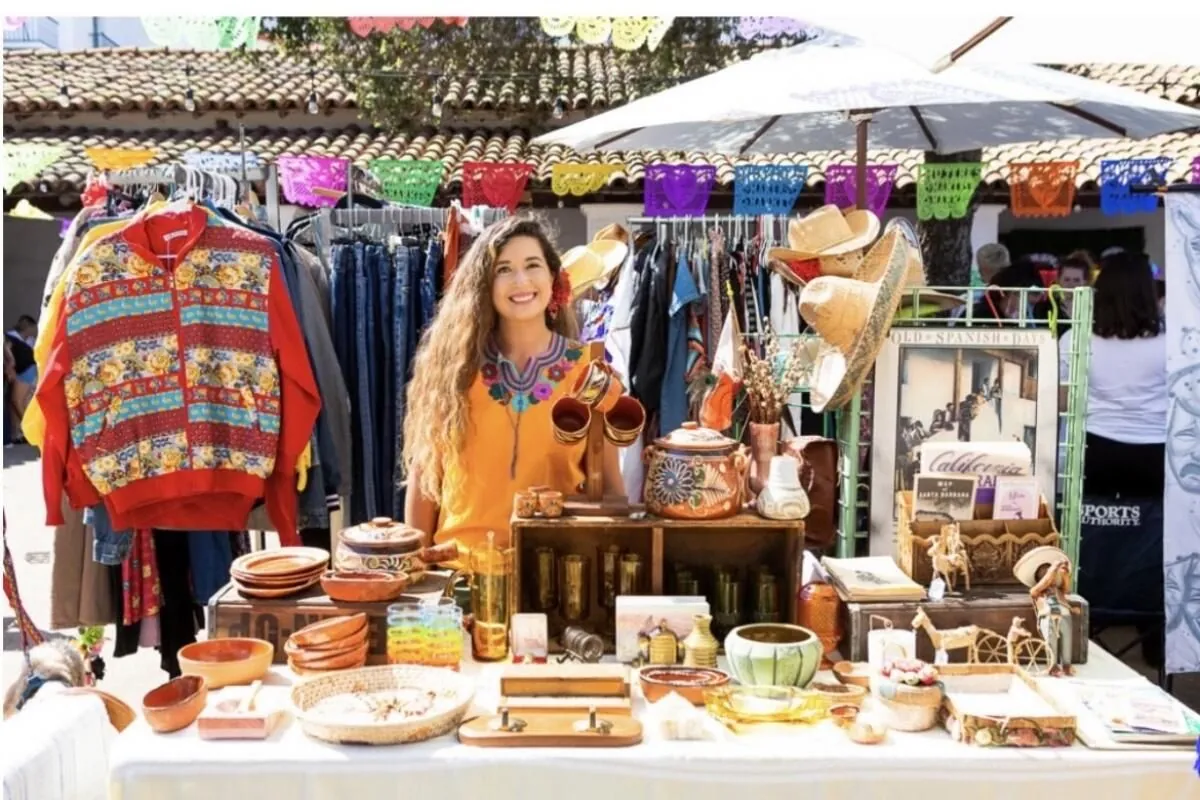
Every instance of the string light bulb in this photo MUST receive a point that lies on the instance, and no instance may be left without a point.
(64, 95)
(189, 97)
(560, 109)
(313, 107)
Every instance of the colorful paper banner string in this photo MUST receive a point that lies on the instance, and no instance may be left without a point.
(677, 190)
(27, 210)
(841, 184)
(494, 185)
(627, 33)
(1042, 189)
(24, 162)
(769, 27)
(216, 161)
(299, 176)
(1119, 175)
(767, 188)
(365, 26)
(107, 158)
(580, 179)
(944, 190)
(203, 33)
(413, 183)
(1196, 169)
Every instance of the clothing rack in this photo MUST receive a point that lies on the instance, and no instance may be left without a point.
(735, 224)
(183, 175)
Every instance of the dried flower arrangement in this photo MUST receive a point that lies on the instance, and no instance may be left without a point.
(770, 378)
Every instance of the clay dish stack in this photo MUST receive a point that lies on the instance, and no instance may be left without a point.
(278, 573)
(330, 645)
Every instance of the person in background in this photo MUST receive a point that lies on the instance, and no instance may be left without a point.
(1073, 272)
(19, 341)
(990, 260)
(1126, 420)
(1003, 299)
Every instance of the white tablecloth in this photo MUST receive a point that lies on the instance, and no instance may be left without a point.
(816, 763)
(57, 748)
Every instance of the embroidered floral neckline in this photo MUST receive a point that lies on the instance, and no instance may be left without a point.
(521, 389)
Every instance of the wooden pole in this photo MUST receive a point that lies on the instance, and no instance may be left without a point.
(860, 163)
(595, 441)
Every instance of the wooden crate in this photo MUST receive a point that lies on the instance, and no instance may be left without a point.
(991, 607)
(230, 615)
(993, 546)
(744, 541)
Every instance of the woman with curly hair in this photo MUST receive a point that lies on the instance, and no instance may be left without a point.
(500, 350)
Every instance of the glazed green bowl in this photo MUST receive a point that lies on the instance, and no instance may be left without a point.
(773, 654)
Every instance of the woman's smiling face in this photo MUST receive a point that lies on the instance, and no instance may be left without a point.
(522, 283)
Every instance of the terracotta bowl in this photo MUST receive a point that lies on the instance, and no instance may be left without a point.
(227, 662)
(280, 563)
(688, 682)
(176, 704)
(347, 645)
(841, 693)
(346, 660)
(272, 582)
(120, 715)
(363, 587)
(852, 674)
(328, 631)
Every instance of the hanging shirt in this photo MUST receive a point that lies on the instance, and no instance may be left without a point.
(509, 444)
(674, 400)
(178, 388)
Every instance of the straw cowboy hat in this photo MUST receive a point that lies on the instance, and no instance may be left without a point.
(852, 318)
(914, 278)
(1026, 568)
(591, 264)
(827, 235)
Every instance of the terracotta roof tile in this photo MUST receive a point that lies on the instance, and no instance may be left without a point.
(363, 144)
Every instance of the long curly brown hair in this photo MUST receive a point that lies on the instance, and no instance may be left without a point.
(452, 351)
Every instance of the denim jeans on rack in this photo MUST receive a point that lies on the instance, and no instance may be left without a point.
(364, 325)
(343, 291)
(385, 398)
(109, 547)
(402, 341)
(431, 279)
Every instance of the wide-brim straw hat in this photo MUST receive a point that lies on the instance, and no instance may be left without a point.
(844, 265)
(825, 232)
(852, 317)
(914, 277)
(593, 263)
(1027, 566)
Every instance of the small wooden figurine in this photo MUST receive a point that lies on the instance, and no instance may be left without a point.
(1047, 573)
(948, 555)
(982, 645)
(1025, 650)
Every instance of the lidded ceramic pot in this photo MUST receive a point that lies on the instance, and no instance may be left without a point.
(694, 473)
(379, 545)
(783, 497)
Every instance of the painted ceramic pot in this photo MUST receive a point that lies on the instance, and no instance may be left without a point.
(773, 654)
(783, 497)
(381, 545)
(694, 473)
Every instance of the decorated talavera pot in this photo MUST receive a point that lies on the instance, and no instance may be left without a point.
(381, 545)
(773, 654)
(694, 473)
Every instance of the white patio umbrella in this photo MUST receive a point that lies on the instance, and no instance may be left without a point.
(822, 94)
(982, 38)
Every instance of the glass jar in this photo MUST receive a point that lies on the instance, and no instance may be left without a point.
(445, 634)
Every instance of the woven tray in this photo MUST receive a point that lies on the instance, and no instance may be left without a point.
(456, 692)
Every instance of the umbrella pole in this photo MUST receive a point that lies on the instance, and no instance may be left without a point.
(860, 162)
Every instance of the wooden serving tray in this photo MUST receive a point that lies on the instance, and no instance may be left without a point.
(549, 730)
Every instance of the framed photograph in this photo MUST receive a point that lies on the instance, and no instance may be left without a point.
(958, 385)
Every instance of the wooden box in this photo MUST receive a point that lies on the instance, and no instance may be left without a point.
(230, 616)
(992, 608)
(993, 546)
(999, 705)
(744, 542)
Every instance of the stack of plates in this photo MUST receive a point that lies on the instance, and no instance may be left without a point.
(330, 645)
(278, 573)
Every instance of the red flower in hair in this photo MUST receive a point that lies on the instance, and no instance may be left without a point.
(561, 294)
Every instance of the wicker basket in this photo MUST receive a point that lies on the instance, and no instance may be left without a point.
(909, 708)
(458, 688)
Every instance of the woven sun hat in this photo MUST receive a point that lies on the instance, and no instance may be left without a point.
(914, 276)
(827, 232)
(1026, 568)
(593, 263)
(852, 317)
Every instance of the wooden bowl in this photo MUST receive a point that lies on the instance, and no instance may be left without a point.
(688, 682)
(340, 647)
(176, 704)
(280, 563)
(841, 693)
(329, 630)
(120, 715)
(251, 579)
(348, 660)
(852, 674)
(363, 587)
(227, 662)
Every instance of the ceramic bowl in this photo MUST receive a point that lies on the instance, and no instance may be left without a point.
(329, 630)
(349, 644)
(351, 659)
(227, 662)
(841, 693)
(773, 654)
(176, 704)
(363, 587)
(852, 674)
(843, 715)
(689, 683)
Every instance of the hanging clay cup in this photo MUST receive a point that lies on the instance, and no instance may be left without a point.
(764, 445)
(598, 387)
(570, 419)
(624, 423)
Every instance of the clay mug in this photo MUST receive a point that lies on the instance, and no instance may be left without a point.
(550, 503)
(525, 504)
(598, 387)
(623, 424)
(570, 419)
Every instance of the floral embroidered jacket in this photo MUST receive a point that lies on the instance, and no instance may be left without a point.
(178, 389)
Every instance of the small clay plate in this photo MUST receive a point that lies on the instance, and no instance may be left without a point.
(364, 587)
(329, 630)
(688, 682)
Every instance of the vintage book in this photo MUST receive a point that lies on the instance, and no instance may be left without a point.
(1017, 497)
(1138, 712)
(944, 498)
(871, 578)
(988, 460)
